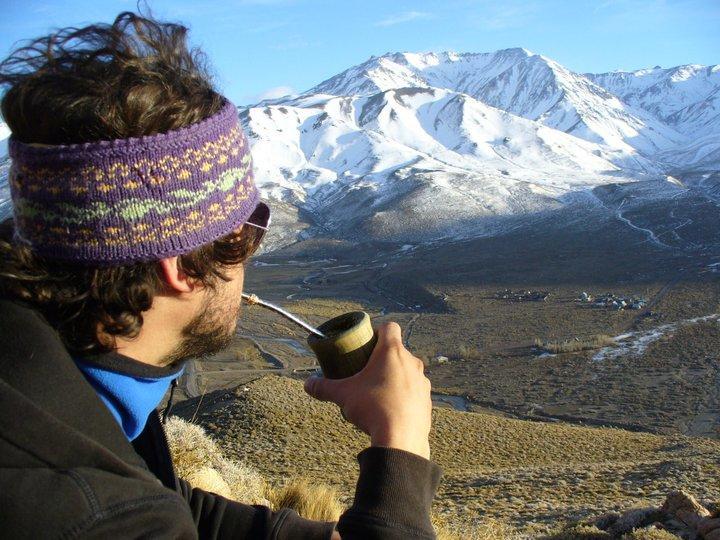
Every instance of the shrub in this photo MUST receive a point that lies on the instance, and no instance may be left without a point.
(312, 501)
(490, 529)
(199, 460)
(575, 345)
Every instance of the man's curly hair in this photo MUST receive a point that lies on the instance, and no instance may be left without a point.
(131, 78)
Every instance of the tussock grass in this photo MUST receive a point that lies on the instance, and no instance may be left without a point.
(199, 460)
(490, 529)
(468, 352)
(208, 479)
(590, 532)
(650, 534)
(190, 446)
(312, 501)
(575, 345)
(579, 532)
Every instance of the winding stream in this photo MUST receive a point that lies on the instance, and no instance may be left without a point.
(458, 403)
(294, 344)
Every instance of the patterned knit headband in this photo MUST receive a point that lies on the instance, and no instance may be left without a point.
(134, 199)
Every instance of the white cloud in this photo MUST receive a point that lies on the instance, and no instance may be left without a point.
(404, 17)
(276, 92)
(271, 93)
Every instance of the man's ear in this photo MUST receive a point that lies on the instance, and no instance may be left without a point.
(175, 278)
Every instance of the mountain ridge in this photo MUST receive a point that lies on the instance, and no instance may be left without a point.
(418, 146)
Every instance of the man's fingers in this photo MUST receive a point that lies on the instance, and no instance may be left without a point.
(323, 389)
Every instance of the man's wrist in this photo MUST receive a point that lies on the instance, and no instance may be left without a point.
(419, 447)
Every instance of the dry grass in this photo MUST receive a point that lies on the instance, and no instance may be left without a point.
(469, 352)
(195, 455)
(590, 532)
(312, 501)
(650, 534)
(199, 460)
(490, 529)
(575, 345)
(523, 475)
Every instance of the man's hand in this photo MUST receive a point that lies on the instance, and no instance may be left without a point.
(389, 399)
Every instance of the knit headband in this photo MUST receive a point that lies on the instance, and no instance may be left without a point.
(134, 199)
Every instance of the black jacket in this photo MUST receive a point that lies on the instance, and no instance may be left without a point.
(67, 469)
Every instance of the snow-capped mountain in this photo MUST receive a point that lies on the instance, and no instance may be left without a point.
(4, 136)
(525, 84)
(419, 146)
(407, 162)
(684, 97)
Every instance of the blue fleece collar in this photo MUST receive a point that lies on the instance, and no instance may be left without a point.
(131, 397)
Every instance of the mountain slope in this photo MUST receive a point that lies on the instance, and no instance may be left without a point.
(520, 82)
(4, 135)
(411, 163)
(686, 98)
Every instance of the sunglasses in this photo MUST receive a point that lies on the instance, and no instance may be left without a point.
(260, 217)
(260, 220)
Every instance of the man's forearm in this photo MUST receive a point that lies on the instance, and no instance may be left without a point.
(393, 497)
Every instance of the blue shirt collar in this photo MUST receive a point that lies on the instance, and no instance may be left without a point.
(130, 389)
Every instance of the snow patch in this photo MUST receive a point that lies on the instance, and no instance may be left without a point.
(4, 136)
(634, 344)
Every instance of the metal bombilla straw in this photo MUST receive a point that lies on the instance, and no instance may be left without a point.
(253, 299)
(344, 345)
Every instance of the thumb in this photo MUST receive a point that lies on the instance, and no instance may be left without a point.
(390, 332)
(323, 389)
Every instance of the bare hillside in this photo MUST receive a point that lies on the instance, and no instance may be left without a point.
(531, 476)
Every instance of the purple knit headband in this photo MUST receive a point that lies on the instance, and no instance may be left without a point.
(134, 199)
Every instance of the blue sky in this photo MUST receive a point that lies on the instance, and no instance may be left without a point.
(265, 48)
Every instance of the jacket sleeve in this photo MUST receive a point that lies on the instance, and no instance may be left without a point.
(392, 501)
(393, 497)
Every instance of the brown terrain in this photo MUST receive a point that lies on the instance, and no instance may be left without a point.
(650, 375)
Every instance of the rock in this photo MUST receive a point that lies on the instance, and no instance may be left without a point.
(681, 515)
(442, 359)
(634, 519)
(685, 508)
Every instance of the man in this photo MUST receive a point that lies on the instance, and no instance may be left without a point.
(134, 211)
